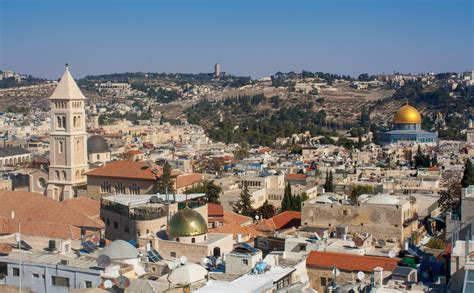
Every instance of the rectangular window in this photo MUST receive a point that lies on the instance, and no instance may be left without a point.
(88, 284)
(16, 272)
(36, 276)
(173, 254)
(126, 229)
(60, 281)
(116, 225)
(108, 222)
(323, 281)
(3, 269)
(245, 261)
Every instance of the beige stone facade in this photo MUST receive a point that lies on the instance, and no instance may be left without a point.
(68, 140)
(102, 186)
(383, 221)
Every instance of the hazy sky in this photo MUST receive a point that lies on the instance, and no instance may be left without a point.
(254, 38)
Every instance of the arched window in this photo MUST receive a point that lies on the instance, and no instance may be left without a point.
(74, 123)
(216, 251)
(134, 189)
(105, 187)
(177, 239)
(56, 174)
(59, 122)
(193, 240)
(64, 175)
(120, 187)
(60, 146)
(64, 121)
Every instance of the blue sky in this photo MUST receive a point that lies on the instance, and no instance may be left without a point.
(254, 38)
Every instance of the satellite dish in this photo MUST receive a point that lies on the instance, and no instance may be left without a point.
(392, 254)
(122, 282)
(108, 284)
(360, 276)
(381, 243)
(153, 199)
(103, 261)
(183, 259)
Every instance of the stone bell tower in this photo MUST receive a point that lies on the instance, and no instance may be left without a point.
(68, 140)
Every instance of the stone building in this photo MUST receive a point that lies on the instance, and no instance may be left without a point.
(382, 215)
(98, 151)
(187, 235)
(320, 265)
(68, 139)
(13, 156)
(131, 216)
(407, 122)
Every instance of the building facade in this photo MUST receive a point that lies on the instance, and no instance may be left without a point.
(68, 139)
(407, 121)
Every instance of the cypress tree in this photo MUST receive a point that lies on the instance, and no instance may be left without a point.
(287, 201)
(468, 176)
(244, 204)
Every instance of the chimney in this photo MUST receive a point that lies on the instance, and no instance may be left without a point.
(378, 277)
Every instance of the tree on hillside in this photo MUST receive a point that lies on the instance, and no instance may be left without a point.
(211, 190)
(243, 205)
(267, 210)
(165, 182)
(468, 176)
(287, 201)
(329, 184)
(359, 190)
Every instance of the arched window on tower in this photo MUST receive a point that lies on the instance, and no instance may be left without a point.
(64, 175)
(59, 122)
(64, 121)
(60, 146)
(56, 175)
(74, 122)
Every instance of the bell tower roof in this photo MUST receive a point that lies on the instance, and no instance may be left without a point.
(67, 88)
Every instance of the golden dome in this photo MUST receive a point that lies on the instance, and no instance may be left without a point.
(186, 222)
(407, 114)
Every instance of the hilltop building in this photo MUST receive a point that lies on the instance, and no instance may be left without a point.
(68, 138)
(407, 122)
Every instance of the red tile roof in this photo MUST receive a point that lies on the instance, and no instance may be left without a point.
(186, 180)
(42, 216)
(233, 218)
(349, 262)
(127, 169)
(85, 205)
(296, 177)
(215, 210)
(237, 229)
(283, 220)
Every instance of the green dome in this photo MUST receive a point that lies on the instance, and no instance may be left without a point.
(185, 223)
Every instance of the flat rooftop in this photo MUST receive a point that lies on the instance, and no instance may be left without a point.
(133, 200)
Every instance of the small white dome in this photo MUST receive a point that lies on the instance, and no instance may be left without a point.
(383, 199)
(120, 249)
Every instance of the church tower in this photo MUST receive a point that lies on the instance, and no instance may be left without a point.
(68, 140)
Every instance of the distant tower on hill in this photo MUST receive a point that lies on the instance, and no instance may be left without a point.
(470, 133)
(217, 71)
(68, 140)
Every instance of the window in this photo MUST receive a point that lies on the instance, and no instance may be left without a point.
(56, 174)
(108, 222)
(126, 229)
(173, 254)
(193, 240)
(177, 239)
(98, 156)
(323, 281)
(60, 281)
(60, 147)
(16, 272)
(245, 261)
(3, 269)
(134, 189)
(88, 284)
(344, 212)
(120, 187)
(64, 175)
(116, 225)
(38, 276)
(105, 187)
